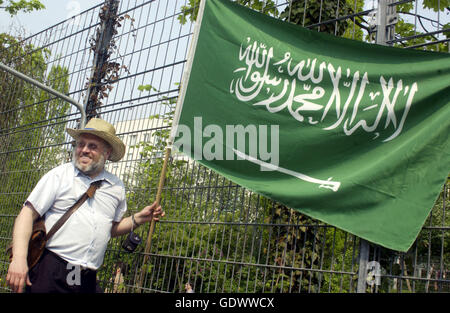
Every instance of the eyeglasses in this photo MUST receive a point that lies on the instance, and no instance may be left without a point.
(91, 146)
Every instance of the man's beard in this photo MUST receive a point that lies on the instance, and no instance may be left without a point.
(93, 168)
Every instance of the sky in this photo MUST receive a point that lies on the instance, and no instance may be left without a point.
(55, 11)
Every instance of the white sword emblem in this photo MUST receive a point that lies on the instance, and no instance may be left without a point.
(333, 185)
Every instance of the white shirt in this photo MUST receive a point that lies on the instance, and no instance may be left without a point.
(83, 238)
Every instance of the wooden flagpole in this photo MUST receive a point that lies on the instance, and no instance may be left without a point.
(148, 243)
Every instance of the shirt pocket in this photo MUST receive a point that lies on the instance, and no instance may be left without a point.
(105, 204)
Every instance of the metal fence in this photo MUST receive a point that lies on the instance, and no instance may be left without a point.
(124, 61)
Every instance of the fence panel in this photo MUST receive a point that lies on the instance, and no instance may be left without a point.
(216, 236)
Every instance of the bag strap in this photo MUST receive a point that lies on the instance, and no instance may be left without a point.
(88, 194)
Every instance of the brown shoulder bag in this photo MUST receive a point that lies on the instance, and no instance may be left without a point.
(39, 238)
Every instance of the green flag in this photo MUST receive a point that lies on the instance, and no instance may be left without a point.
(352, 134)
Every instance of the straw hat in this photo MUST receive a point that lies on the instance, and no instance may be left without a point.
(104, 130)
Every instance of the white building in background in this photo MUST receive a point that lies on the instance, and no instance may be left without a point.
(133, 133)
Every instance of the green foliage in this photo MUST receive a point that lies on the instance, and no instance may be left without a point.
(24, 122)
(405, 29)
(344, 260)
(447, 34)
(190, 11)
(312, 12)
(14, 7)
(436, 5)
(432, 240)
(408, 29)
(316, 11)
(326, 15)
(293, 247)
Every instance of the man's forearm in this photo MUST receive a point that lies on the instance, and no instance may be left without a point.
(17, 275)
(123, 227)
(22, 231)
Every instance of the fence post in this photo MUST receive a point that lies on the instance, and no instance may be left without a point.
(101, 54)
(382, 33)
(362, 269)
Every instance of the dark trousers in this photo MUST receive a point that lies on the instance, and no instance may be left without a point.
(52, 275)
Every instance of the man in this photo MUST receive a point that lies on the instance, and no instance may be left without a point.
(81, 242)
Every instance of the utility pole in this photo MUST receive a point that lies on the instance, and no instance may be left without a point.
(386, 17)
(101, 54)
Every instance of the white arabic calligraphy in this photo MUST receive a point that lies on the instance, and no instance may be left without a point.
(348, 106)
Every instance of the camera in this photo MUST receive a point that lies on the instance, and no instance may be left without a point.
(131, 242)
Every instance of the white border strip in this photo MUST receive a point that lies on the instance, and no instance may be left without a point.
(187, 73)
